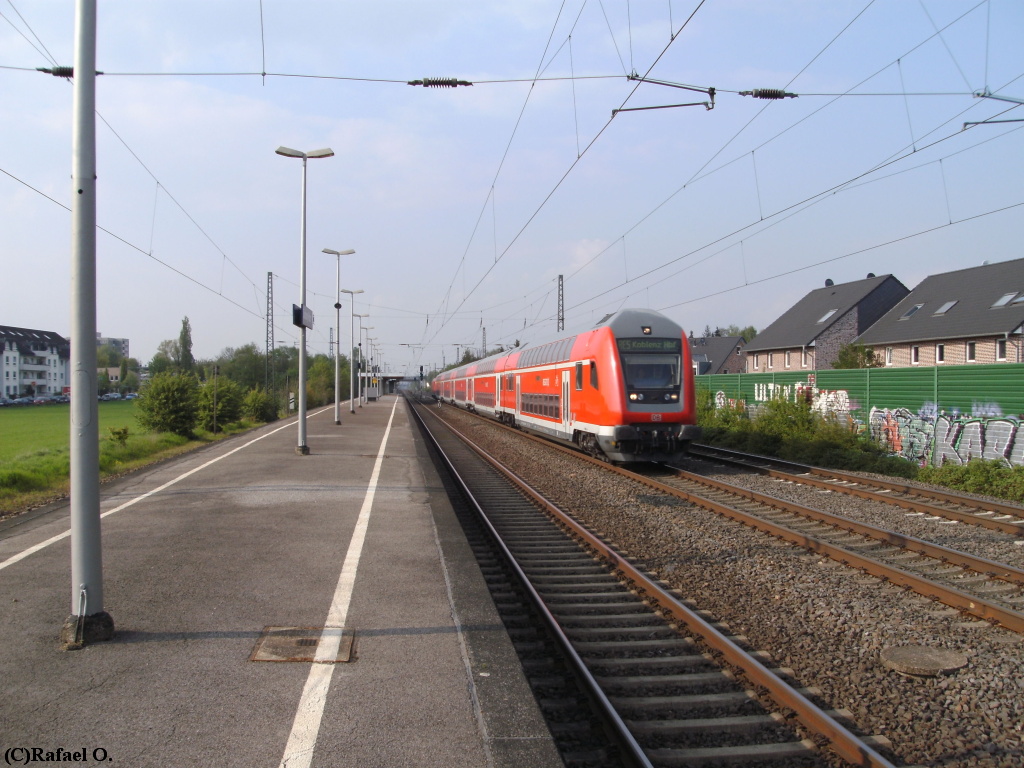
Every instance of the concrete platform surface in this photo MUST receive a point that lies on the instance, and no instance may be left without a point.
(358, 534)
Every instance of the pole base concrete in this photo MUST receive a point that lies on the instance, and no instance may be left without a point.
(337, 423)
(302, 450)
(80, 631)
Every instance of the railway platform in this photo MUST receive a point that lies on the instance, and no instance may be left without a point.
(269, 609)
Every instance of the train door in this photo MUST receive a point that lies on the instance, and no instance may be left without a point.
(566, 411)
(519, 404)
(469, 391)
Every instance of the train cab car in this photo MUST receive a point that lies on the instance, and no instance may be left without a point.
(622, 391)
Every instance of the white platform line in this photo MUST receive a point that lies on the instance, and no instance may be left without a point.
(298, 752)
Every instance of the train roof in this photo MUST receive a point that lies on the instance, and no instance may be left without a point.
(625, 322)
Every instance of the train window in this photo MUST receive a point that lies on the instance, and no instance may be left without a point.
(579, 376)
(593, 373)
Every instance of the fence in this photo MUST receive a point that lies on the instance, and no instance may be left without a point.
(934, 415)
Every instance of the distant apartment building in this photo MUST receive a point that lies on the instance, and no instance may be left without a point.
(33, 362)
(121, 345)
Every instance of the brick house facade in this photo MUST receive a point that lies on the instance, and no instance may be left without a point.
(969, 316)
(810, 334)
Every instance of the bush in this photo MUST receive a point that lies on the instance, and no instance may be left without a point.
(229, 403)
(257, 406)
(991, 478)
(169, 403)
(794, 432)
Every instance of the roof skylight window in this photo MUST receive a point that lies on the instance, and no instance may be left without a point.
(1004, 300)
(827, 315)
(911, 311)
(946, 307)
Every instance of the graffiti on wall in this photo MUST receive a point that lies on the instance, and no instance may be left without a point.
(929, 436)
(828, 403)
(932, 436)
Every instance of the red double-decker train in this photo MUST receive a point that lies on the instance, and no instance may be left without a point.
(622, 391)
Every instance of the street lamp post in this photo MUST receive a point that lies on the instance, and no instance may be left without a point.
(362, 357)
(370, 347)
(337, 334)
(305, 319)
(352, 345)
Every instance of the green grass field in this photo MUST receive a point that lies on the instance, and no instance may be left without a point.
(33, 429)
(35, 453)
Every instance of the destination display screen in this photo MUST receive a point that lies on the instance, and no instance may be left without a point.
(650, 345)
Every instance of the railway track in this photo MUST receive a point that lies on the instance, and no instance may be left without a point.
(995, 515)
(670, 687)
(983, 588)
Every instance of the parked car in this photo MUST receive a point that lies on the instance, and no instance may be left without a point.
(131, 396)
(111, 396)
(21, 401)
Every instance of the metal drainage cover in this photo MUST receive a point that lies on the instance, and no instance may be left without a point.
(921, 661)
(301, 644)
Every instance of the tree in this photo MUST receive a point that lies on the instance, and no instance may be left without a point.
(257, 406)
(747, 334)
(160, 364)
(228, 396)
(856, 356)
(185, 360)
(169, 403)
(130, 382)
(108, 356)
(320, 380)
(169, 351)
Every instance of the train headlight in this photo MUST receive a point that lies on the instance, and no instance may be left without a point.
(672, 396)
(636, 396)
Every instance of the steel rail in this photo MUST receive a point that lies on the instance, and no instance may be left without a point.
(968, 603)
(971, 604)
(992, 568)
(807, 475)
(633, 751)
(844, 743)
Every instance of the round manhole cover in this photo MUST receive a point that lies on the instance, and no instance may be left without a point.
(922, 661)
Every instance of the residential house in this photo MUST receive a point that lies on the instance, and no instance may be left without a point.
(973, 315)
(33, 362)
(717, 354)
(810, 334)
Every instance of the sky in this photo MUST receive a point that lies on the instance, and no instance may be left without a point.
(464, 205)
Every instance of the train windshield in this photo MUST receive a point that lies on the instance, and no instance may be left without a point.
(651, 371)
(650, 363)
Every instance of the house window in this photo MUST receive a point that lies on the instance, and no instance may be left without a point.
(915, 355)
(946, 307)
(1004, 300)
(803, 358)
(787, 358)
(888, 355)
(1000, 349)
(827, 315)
(911, 311)
(771, 360)
(757, 361)
(972, 351)
(940, 353)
